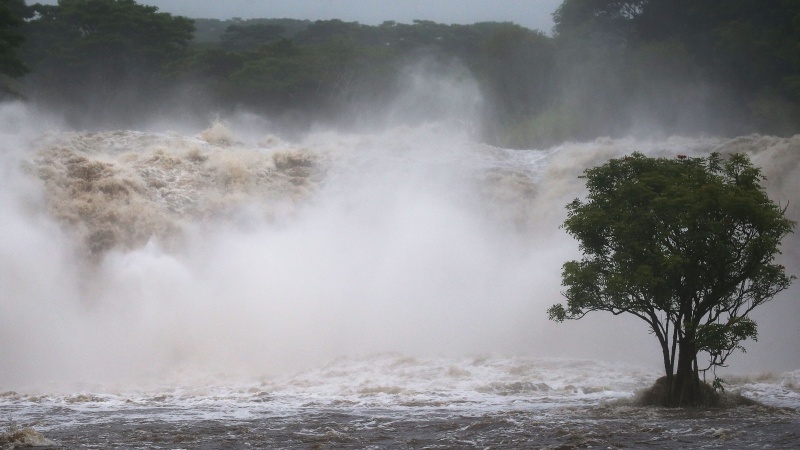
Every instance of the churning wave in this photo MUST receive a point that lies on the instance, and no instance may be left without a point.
(399, 400)
(334, 290)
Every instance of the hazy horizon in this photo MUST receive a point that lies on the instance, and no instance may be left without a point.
(536, 14)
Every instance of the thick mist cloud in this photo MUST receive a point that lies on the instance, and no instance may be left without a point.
(409, 238)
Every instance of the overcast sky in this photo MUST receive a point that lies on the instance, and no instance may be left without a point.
(535, 14)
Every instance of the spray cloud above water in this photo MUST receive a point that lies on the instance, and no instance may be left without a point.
(127, 255)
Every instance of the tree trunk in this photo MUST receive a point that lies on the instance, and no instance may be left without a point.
(683, 389)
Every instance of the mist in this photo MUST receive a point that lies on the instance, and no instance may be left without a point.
(232, 250)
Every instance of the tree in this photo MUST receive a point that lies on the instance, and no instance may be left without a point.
(517, 72)
(688, 246)
(11, 14)
(92, 52)
(611, 16)
(747, 46)
(740, 58)
(322, 31)
(246, 37)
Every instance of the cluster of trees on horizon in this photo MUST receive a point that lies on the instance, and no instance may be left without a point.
(722, 67)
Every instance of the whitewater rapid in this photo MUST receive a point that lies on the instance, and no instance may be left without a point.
(211, 279)
(394, 400)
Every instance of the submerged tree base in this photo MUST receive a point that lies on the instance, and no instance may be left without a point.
(707, 397)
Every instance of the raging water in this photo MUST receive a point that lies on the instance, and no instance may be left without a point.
(392, 400)
(221, 288)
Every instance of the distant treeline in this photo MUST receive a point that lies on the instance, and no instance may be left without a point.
(611, 67)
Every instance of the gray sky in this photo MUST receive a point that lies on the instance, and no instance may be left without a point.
(534, 14)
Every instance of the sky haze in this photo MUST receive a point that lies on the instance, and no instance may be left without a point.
(534, 14)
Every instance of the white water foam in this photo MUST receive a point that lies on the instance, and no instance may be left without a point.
(129, 255)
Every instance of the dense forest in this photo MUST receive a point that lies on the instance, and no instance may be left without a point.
(610, 67)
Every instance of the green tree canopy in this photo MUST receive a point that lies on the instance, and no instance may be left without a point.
(687, 245)
(246, 37)
(11, 14)
(749, 48)
(610, 16)
(123, 34)
(94, 51)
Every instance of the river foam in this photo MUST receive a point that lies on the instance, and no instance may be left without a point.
(131, 255)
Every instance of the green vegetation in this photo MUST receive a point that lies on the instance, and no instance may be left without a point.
(97, 56)
(675, 66)
(729, 66)
(12, 13)
(688, 246)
